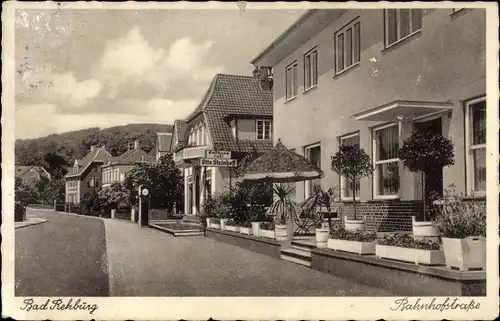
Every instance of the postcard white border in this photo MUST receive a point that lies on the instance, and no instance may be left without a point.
(231, 308)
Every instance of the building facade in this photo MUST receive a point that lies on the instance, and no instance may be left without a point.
(115, 170)
(235, 115)
(371, 77)
(31, 174)
(86, 174)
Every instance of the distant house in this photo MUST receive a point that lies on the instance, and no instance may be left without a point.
(86, 174)
(235, 115)
(163, 144)
(117, 167)
(31, 174)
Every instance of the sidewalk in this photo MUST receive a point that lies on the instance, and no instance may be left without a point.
(147, 262)
(30, 221)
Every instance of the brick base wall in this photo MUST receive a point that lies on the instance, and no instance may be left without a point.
(384, 216)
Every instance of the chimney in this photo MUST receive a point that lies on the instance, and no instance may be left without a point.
(92, 148)
(136, 144)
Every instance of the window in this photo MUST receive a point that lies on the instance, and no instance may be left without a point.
(400, 23)
(263, 129)
(385, 148)
(348, 188)
(311, 69)
(476, 143)
(347, 46)
(313, 154)
(291, 81)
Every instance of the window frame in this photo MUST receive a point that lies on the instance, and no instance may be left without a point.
(294, 85)
(343, 180)
(470, 147)
(308, 183)
(312, 74)
(264, 121)
(376, 195)
(343, 31)
(398, 26)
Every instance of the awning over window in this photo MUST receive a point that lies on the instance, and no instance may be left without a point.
(399, 109)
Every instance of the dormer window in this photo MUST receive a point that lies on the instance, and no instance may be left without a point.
(263, 129)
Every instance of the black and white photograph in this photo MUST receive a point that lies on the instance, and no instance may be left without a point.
(244, 160)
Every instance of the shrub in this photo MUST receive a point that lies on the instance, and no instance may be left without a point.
(460, 219)
(405, 240)
(267, 225)
(246, 224)
(217, 206)
(359, 236)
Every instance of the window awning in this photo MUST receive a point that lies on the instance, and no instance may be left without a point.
(399, 109)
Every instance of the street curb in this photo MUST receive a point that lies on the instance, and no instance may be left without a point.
(39, 221)
(79, 215)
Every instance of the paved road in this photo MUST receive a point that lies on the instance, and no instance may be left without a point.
(64, 257)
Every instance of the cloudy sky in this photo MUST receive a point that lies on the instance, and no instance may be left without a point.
(85, 68)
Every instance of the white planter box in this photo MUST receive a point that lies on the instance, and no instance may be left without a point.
(354, 225)
(214, 225)
(322, 235)
(425, 230)
(361, 248)
(255, 228)
(465, 254)
(246, 230)
(267, 233)
(281, 232)
(417, 256)
(223, 223)
(232, 228)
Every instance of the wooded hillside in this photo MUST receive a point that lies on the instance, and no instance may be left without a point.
(76, 144)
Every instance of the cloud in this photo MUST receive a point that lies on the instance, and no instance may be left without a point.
(61, 89)
(132, 61)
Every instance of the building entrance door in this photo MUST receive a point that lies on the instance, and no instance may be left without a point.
(433, 179)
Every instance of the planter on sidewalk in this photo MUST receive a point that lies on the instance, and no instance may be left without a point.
(246, 230)
(255, 228)
(417, 256)
(232, 228)
(465, 254)
(223, 223)
(267, 233)
(361, 248)
(322, 235)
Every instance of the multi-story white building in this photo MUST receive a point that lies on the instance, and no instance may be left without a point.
(370, 77)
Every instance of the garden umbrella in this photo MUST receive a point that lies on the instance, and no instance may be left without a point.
(281, 165)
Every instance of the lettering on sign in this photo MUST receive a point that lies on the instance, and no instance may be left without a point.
(218, 154)
(214, 162)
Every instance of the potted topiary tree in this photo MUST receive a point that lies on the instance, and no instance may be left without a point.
(353, 163)
(422, 152)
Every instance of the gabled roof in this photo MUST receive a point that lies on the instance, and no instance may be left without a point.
(130, 157)
(163, 142)
(21, 170)
(98, 155)
(233, 95)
